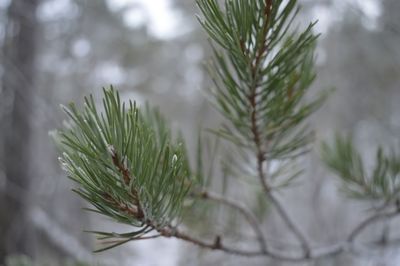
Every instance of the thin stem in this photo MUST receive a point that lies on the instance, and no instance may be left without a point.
(214, 245)
(248, 215)
(363, 225)
(385, 233)
(282, 212)
(135, 210)
(217, 244)
(314, 253)
(147, 237)
(289, 222)
(261, 156)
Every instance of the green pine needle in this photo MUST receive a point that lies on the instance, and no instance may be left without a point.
(262, 71)
(380, 184)
(125, 162)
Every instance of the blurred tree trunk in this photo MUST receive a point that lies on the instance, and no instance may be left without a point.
(16, 102)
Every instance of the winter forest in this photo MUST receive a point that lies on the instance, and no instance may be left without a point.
(157, 53)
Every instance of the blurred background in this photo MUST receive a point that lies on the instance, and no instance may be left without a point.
(56, 51)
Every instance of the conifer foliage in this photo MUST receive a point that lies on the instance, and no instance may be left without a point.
(127, 164)
(262, 74)
(129, 167)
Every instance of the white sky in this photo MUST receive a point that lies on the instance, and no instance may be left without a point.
(371, 9)
(163, 20)
(4, 3)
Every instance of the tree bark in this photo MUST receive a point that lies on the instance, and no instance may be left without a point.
(16, 106)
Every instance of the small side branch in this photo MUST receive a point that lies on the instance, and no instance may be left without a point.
(218, 244)
(289, 222)
(135, 210)
(372, 219)
(314, 253)
(248, 215)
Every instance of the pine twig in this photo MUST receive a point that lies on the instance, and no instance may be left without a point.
(282, 211)
(135, 210)
(260, 153)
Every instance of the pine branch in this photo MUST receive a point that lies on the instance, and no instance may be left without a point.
(286, 218)
(126, 164)
(262, 74)
(148, 193)
(260, 152)
(129, 167)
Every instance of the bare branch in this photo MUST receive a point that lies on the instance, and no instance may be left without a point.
(218, 245)
(372, 219)
(314, 253)
(289, 222)
(248, 215)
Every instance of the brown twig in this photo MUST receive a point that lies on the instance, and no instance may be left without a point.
(260, 169)
(218, 245)
(135, 209)
(126, 176)
(264, 47)
(260, 150)
(131, 210)
(314, 253)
